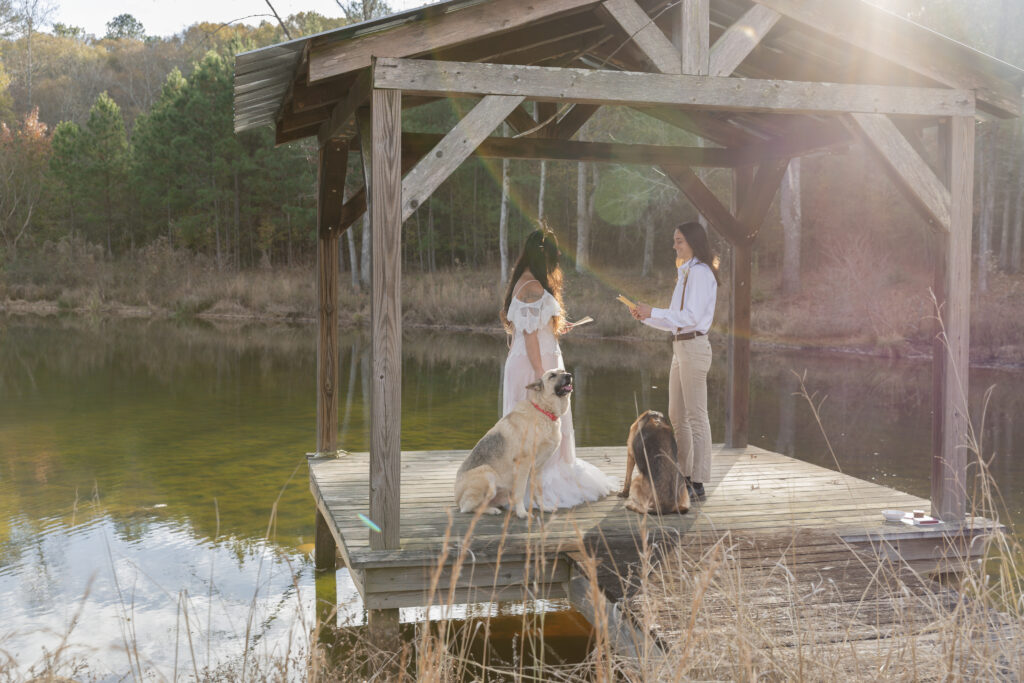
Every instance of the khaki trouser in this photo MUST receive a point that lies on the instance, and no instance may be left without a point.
(688, 405)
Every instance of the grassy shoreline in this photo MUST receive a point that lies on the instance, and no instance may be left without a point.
(827, 316)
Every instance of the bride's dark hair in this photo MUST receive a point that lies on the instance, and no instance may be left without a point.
(540, 257)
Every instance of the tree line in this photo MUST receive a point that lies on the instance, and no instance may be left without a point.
(127, 139)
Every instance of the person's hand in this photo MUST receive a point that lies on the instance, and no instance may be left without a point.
(642, 311)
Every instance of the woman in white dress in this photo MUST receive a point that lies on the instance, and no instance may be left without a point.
(532, 315)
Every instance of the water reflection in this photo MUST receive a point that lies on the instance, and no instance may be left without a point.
(165, 455)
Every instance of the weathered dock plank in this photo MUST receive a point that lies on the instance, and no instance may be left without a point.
(752, 490)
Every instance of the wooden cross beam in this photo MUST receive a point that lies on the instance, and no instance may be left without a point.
(740, 39)
(704, 124)
(705, 201)
(451, 151)
(645, 34)
(911, 172)
(574, 150)
(645, 89)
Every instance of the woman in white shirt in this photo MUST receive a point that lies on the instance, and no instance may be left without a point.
(688, 318)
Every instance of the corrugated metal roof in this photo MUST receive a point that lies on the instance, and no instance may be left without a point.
(263, 76)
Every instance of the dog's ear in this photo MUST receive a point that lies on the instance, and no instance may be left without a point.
(536, 386)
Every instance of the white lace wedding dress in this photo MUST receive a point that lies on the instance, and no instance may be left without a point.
(565, 481)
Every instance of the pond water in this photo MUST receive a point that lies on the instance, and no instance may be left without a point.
(154, 509)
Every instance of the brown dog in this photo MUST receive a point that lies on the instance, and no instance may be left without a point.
(660, 486)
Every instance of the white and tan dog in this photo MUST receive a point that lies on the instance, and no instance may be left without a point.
(497, 470)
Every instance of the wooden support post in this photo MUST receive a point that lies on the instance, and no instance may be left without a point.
(949, 452)
(738, 347)
(386, 324)
(908, 168)
(945, 173)
(330, 189)
(325, 551)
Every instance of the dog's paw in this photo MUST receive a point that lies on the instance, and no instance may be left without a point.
(521, 513)
(493, 511)
(624, 493)
(550, 508)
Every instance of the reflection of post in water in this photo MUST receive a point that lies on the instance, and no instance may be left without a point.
(786, 441)
(352, 368)
(326, 626)
(579, 414)
(645, 391)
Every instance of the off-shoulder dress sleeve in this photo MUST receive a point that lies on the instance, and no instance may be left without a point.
(530, 317)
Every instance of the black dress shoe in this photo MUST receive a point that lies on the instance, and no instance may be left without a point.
(696, 490)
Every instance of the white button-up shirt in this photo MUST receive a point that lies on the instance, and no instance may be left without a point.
(698, 311)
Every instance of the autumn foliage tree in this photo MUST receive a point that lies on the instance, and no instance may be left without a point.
(24, 157)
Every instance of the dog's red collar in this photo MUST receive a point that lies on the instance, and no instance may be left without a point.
(551, 416)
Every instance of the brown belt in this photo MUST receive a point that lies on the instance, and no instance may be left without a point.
(686, 335)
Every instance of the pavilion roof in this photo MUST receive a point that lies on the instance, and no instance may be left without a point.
(295, 85)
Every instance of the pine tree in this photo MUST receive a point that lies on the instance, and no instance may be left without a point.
(105, 158)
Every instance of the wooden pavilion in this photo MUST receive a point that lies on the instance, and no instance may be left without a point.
(759, 81)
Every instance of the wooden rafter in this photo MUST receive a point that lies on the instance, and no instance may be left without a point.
(490, 19)
(642, 30)
(647, 89)
(453, 149)
(740, 39)
(913, 175)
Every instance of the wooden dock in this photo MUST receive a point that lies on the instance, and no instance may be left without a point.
(450, 557)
